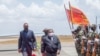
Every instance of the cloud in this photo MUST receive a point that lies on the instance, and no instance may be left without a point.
(49, 15)
(9, 3)
(94, 3)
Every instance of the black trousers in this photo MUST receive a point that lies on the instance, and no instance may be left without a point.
(51, 54)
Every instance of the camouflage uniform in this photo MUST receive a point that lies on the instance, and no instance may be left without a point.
(98, 48)
(99, 44)
(91, 39)
(84, 40)
(78, 36)
(78, 44)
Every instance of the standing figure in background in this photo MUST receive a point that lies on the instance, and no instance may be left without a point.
(27, 41)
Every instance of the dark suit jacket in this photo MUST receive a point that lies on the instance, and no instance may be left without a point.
(50, 46)
(27, 40)
(42, 43)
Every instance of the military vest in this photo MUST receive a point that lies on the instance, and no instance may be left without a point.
(79, 36)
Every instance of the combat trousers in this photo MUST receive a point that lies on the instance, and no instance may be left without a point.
(98, 51)
(78, 49)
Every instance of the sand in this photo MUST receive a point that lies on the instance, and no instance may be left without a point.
(63, 38)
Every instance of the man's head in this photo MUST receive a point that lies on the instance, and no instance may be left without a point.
(25, 26)
(79, 28)
(45, 31)
(86, 28)
(93, 27)
(50, 32)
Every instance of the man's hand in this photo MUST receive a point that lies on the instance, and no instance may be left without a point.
(58, 52)
(19, 50)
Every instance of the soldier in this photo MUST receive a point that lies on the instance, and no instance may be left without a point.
(77, 35)
(97, 41)
(91, 39)
(84, 40)
(96, 48)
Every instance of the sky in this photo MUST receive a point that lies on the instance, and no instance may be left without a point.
(40, 14)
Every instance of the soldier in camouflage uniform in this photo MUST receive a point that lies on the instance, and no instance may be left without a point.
(77, 35)
(98, 42)
(91, 40)
(84, 40)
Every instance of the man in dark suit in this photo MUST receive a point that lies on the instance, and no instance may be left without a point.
(51, 44)
(27, 41)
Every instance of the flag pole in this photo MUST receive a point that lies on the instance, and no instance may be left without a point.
(68, 21)
(67, 18)
(71, 14)
(96, 24)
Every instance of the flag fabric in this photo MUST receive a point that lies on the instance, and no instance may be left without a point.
(79, 16)
(76, 16)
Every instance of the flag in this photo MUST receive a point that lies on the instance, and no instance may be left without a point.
(76, 16)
